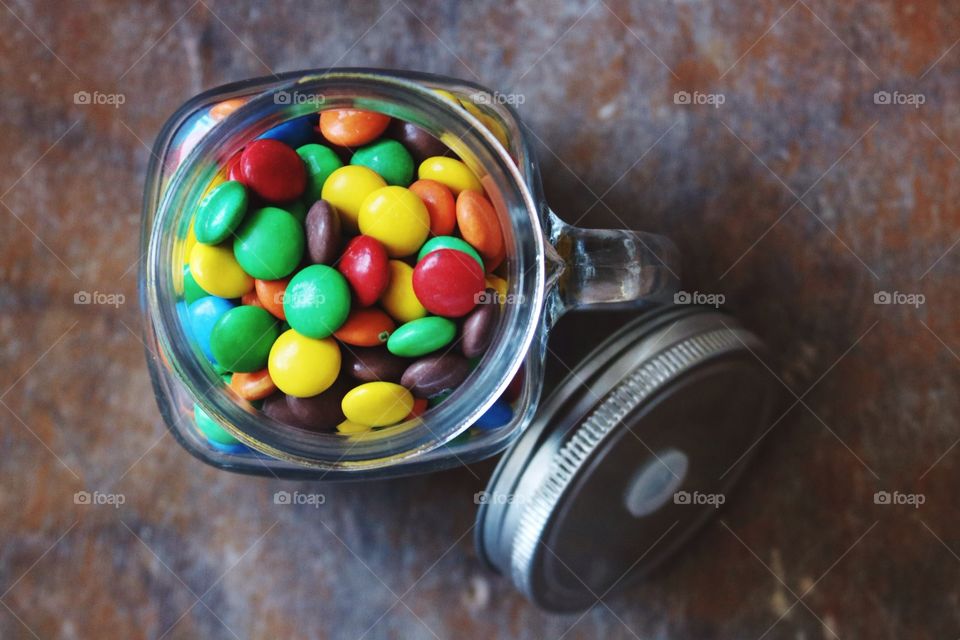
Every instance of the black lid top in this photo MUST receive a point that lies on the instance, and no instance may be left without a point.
(629, 455)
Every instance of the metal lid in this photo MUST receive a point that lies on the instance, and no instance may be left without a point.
(632, 452)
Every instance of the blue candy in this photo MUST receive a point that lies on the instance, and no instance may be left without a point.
(203, 314)
(294, 133)
(497, 415)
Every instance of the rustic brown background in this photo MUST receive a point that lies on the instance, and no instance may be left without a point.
(798, 198)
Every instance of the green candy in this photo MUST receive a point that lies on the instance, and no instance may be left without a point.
(317, 301)
(210, 428)
(389, 159)
(191, 290)
(422, 336)
(321, 161)
(269, 244)
(450, 242)
(242, 337)
(220, 213)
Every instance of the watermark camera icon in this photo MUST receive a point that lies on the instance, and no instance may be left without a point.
(282, 97)
(882, 97)
(81, 497)
(682, 97)
(81, 97)
(281, 497)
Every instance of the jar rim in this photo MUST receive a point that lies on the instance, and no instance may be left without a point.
(477, 146)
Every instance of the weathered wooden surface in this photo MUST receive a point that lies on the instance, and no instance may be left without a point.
(799, 198)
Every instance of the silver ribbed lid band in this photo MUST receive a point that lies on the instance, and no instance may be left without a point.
(632, 391)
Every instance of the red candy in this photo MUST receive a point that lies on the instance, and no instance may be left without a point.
(273, 170)
(233, 169)
(366, 266)
(447, 282)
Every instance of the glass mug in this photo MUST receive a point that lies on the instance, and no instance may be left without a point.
(552, 268)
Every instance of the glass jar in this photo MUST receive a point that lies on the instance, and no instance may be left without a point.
(682, 381)
(551, 268)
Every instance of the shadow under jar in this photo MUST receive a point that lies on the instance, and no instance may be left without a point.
(666, 380)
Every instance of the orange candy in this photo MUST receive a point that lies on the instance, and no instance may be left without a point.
(419, 408)
(221, 110)
(270, 293)
(479, 226)
(250, 298)
(253, 386)
(368, 327)
(352, 127)
(440, 205)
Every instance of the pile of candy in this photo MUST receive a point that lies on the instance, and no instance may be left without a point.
(332, 289)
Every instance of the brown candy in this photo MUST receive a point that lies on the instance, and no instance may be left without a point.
(276, 407)
(479, 326)
(323, 233)
(418, 142)
(373, 364)
(429, 376)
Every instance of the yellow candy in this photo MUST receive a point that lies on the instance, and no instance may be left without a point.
(499, 284)
(351, 428)
(397, 218)
(217, 271)
(399, 299)
(347, 188)
(443, 93)
(377, 404)
(488, 121)
(302, 366)
(190, 241)
(450, 172)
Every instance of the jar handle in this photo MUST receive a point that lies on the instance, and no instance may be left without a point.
(612, 268)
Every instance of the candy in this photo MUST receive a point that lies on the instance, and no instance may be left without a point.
(418, 142)
(377, 404)
(447, 283)
(273, 170)
(449, 172)
(479, 327)
(191, 290)
(389, 159)
(499, 285)
(253, 386)
(346, 189)
(270, 295)
(302, 366)
(433, 374)
(320, 162)
(293, 133)
(242, 337)
(217, 271)
(203, 315)
(348, 428)
(269, 244)
(449, 242)
(352, 127)
(371, 365)
(396, 217)
(320, 412)
(250, 298)
(317, 301)
(220, 213)
(497, 415)
(478, 223)
(440, 204)
(399, 299)
(420, 337)
(221, 110)
(276, 407)
(366, 267)
(365, 328)
(420, 407)
(323, 232)
(211, 428)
